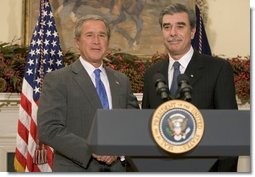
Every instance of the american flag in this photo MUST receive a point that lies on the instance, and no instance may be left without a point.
(44, 56)
(200, 41)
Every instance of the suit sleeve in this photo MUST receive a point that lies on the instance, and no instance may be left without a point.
(146, 92)
(225, 88)
(52, 129)
(132, 102)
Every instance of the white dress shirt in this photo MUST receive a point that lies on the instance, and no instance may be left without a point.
(90, 70)
(184, 61)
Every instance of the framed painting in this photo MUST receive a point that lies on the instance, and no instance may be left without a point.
(134, 23)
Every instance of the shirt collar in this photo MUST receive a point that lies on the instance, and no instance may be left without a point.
(90, 68)
(184, 60)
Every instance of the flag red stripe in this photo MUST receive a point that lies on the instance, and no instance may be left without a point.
(23, 131)
(30, 165)
(25, 104)
(33, 130)
(50, 155)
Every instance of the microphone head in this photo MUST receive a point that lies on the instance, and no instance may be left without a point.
(158, 77)
(160, 85)
(184, 88)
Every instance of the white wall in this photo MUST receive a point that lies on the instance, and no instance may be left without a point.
(228, 25)
(10, 20)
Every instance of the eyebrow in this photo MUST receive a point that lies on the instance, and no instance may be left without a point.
(92, 32)
(178, 23)
(181, 23)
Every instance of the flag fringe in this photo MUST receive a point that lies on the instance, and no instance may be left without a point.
(40, 155)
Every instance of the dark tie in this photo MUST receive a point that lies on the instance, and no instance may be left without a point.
(101, 90)
(174, 85)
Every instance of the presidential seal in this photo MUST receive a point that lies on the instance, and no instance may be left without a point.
(177, 126)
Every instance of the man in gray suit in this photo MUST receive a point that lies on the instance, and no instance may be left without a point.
(70, 99)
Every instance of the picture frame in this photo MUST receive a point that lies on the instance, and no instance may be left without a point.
(134, 23)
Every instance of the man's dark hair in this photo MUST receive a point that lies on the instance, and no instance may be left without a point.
(178, 8)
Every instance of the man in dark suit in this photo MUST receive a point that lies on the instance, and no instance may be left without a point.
(211, 78)
(70, 99)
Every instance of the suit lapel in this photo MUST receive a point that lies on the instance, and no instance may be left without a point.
(195, 68)
(163, 69)
(82, 78)
(114, 87)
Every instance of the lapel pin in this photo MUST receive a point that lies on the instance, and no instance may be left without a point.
(117, 83)
(192, 75)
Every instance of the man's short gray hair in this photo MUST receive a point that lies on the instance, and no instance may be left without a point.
(79, 23)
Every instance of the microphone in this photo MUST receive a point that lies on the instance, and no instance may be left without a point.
(185, 88)
(161, 87)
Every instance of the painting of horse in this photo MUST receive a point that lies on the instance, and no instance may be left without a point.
(134, 23)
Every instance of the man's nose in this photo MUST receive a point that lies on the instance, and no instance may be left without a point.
(96, 39)
(173, 31)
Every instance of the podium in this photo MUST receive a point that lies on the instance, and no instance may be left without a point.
(128, 132)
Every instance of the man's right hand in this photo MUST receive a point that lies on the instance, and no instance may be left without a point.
(104, 158)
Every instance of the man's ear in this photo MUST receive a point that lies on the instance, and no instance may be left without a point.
(77, 43)
(193, 31)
